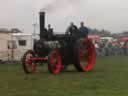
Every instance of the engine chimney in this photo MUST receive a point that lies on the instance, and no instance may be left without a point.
(42, 24)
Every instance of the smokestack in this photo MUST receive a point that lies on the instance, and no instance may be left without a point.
(42, 24)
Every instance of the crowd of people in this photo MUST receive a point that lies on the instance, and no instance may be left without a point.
(113, 48)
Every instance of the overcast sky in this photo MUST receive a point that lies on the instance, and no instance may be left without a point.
(101, 14)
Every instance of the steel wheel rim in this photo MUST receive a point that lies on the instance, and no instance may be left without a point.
(55, 61)
(88, 63)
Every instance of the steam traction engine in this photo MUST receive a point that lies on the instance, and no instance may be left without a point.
(59, 51)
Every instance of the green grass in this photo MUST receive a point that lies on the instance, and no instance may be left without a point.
(109, 78)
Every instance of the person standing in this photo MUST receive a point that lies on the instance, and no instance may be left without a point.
(83, 29)
(72, 29)
(50, 32)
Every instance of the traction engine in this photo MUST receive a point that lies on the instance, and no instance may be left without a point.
(59, 51)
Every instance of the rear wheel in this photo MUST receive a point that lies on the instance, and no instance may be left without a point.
(84, 55)
(28, 65)
(55, 61)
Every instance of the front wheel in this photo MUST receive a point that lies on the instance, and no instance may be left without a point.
(55, 61)
(84, 55)
(28, 65)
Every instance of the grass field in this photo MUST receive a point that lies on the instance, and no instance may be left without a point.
(109, 78)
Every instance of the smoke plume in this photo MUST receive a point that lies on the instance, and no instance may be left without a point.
(61, 5)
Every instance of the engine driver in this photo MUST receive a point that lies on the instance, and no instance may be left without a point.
(72, 30)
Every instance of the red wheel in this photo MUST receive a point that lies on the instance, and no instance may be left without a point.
(28, 65)
(55, 62)
(85, 55)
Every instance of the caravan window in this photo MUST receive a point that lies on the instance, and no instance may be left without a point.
(22, 42)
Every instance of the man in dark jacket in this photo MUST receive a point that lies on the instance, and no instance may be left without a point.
(83, 29)
(72, 29)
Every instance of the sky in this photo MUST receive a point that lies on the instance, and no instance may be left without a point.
(111, 15)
